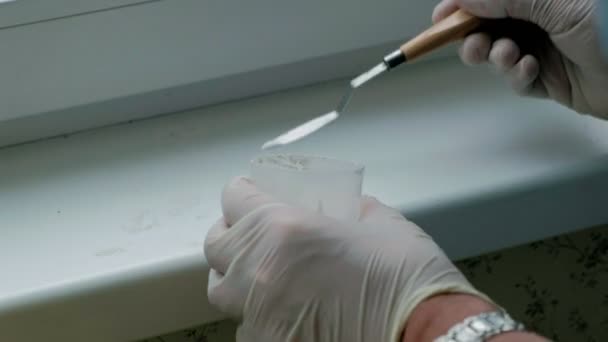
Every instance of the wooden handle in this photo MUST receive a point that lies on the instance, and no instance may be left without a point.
(450, 29)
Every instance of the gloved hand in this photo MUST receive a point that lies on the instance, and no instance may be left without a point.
(564, 62)
(294, 275)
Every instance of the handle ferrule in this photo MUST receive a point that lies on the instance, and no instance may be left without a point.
(394, 59)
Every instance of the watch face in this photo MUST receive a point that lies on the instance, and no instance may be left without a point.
(480, 325)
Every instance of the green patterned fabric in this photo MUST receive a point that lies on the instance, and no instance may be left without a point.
(558, 287)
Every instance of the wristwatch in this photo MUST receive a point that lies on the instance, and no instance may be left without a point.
(481, 327)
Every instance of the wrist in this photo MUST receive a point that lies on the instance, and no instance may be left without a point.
(436, 315)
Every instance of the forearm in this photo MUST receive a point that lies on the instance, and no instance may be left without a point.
(435, 316)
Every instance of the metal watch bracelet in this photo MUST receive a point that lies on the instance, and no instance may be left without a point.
(481, 327)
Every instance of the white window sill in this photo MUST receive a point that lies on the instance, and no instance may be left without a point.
(70, 65)
(102, 232)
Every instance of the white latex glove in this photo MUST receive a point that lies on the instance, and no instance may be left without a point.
(294, 275)
(564, 62)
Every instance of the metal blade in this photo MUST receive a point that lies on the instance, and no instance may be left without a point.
(302, 131)
(368, 75)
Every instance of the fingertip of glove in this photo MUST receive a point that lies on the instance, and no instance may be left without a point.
(238, 183)
(524, 74)
(530, 67)
(236, 187)
(483, 8)
(443, 9)
(475, 49)
(368, 202)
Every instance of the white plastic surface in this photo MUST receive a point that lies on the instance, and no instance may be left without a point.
(101, 233)
(329, 186)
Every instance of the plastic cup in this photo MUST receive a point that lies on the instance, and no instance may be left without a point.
(328, 186)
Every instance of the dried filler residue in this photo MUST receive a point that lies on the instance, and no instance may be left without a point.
(296, 163)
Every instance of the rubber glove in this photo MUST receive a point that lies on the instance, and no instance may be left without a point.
(559, 57)
(294, 275)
